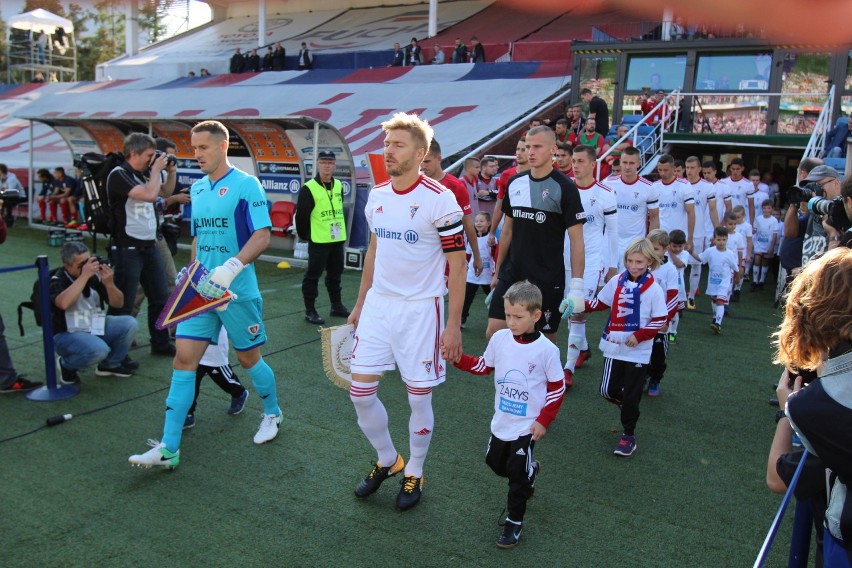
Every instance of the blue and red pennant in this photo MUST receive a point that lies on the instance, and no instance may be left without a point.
(185, 301)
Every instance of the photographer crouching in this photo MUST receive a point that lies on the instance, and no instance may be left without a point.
(82, 333)
(817, 334)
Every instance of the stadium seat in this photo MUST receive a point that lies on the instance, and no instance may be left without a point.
(282, 218)
(630, 119)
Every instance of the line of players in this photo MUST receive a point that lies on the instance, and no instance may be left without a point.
(688, 203)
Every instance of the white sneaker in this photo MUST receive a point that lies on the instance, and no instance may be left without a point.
(158, 455)
(268, 428)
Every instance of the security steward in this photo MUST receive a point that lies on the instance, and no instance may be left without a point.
(320, 221)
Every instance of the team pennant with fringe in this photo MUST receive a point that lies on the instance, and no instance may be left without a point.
(337, 352)
(185, 301)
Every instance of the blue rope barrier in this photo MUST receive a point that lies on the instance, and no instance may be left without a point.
(15, 268)
(776, 522)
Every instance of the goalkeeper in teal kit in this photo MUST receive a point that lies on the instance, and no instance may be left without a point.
(230, 222)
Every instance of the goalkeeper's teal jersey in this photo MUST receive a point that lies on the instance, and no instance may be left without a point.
(225, 213)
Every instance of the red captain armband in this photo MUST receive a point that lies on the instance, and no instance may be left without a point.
(452, 243)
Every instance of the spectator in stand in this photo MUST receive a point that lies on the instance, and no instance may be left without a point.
(478, 53)
(238, 62)
(279, 58)
(561, 131)
(306, 58)
(252, 62)
(398, 56)
(191, 74)
(439, 58)
(269, 59)
(41, 45)
(460, 52)
(412, 53)
(619, 148)
(534, 121)
(661, 113)
(678, 29)
(835, 139)
(598, 110)
(589, 137)
(38, 77)
(205, 72)
(576, 118)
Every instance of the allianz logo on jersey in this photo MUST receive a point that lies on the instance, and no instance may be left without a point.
(409, 236)
(625, 207)
(668, 204)
(538, 217)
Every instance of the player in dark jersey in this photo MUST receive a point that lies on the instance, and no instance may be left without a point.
(539, 206)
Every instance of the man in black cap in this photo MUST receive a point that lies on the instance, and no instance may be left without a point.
(320, 221)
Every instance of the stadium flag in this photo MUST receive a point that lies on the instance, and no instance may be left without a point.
(337, 344)
(185, 301)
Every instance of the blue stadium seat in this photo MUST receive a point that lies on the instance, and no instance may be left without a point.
(630, 119)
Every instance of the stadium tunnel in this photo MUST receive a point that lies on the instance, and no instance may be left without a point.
(278, 150)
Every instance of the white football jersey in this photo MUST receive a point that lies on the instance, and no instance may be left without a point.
(703, 191)
(740, 191)
(409, 227)
(634, 201)
(598, 201)
(674, 197)
(723, 194)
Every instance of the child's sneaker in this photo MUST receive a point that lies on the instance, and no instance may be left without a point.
(238, 403)
(511, 534)
(189, 422)
(690, 303)
(654, 389)
(626, 446)
(672, 337)
(717, 328)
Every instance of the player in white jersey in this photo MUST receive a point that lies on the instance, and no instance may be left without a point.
(677, 207)
(638, 202)
(417, 230)
(741, 189)
(765, 238)
(705, 217)
(722, 266)
(600, 235)
(723, 196)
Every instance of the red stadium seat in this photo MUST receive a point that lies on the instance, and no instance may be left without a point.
(282, 218)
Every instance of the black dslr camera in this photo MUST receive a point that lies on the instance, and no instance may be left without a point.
(797, 194)
(170, 161)
(833, 209)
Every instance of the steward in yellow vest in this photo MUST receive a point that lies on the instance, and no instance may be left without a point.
(321, 222)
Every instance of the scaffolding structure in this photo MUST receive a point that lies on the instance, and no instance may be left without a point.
(40, 48)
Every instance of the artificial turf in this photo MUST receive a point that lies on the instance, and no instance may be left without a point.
(692, 495)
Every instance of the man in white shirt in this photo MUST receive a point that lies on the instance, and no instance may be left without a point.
(706, 216)
(677, 202)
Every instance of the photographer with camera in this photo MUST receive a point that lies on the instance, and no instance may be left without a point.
(83, 335)
(817, 334)
(173, 194)
(133, 188)
(824, 182)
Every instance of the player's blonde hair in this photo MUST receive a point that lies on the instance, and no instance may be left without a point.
(414, 125)
(818, 314)
(526, 294)
(645, 248)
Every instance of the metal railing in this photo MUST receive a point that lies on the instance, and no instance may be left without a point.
(816, 143)
(650, 143)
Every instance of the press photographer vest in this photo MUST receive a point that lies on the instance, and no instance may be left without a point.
(327, 212)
